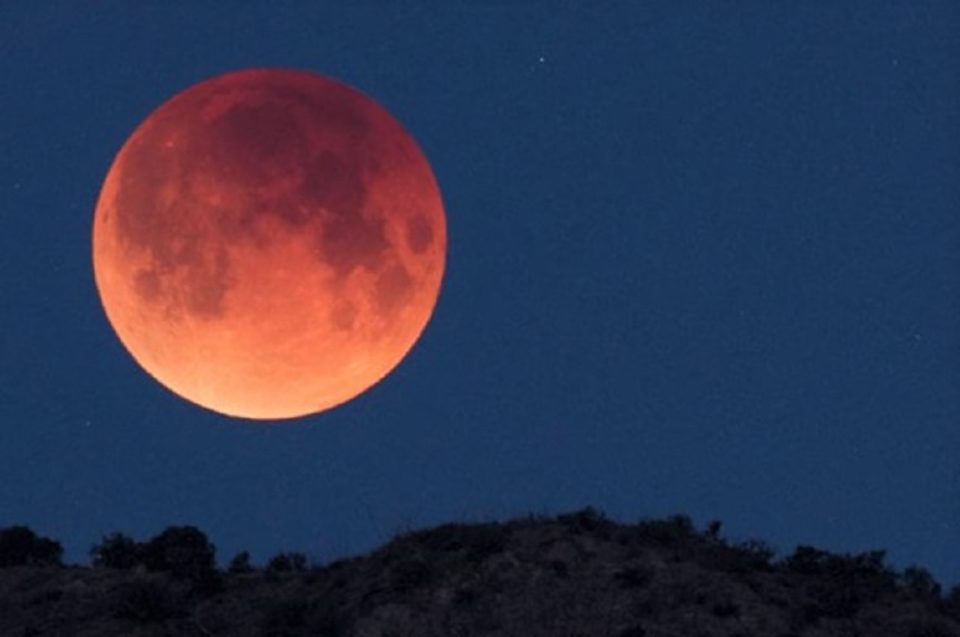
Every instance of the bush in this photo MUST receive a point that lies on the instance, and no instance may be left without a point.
(754, 555)
(410, 574)
(951, 603)
(807, 560)
(117, 551)
(677, 529)
(284, 618)
(287, 563)
(921, 583)
(713, 529)
(483, 541)
(586, 520)
(634, 576)
(146, 601)
(726, 609)
(931, 628)
(182, 551)
(843, 582)
(20, 546)
(477, 542)
(559, 567)
(240, 564)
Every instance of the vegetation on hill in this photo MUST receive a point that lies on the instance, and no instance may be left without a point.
(577, 574)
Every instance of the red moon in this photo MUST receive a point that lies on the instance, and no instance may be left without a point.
(269, 243)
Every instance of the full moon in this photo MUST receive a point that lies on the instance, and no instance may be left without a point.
(269, 243)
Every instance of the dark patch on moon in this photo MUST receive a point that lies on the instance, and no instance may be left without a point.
(147, 285)
(141, 219)
(419, 233)
(348, 238)
(343, 316)
(250, 145)
(339, 108)
(332, 184)
(171, 235)
(348, 241)
(394, 288)
(207, 286)
(289, 211)
(236, 224)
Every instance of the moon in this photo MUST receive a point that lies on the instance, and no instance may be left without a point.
(269, 243)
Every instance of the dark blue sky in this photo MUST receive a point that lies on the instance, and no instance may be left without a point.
(703, 258)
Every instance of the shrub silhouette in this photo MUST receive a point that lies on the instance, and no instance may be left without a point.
(588, 519)
(713, 529)
(951, 602)
(287, 563)
(410, 574)
(921, 583)
(240, 564)
(677, 529)
(726, 609)
(117, 551)
(20, 546)
(182, 551)
(754, 555)
(146, 602)
(845, 582)
(285, 617)
(634, 576)
(807, 560)
(478, 542)
(930, 628)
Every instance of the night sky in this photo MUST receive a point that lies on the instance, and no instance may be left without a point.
(703, 258)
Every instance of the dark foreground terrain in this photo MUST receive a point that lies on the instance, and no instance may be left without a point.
(575, 575)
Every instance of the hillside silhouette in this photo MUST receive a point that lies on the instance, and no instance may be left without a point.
(579, 574)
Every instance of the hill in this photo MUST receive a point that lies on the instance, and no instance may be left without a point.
(579, 574)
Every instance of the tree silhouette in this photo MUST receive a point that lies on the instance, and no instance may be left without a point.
(921, 583)
(117, 551)
(287, 563)
(240, 564)
(20, 546)
(182, 551)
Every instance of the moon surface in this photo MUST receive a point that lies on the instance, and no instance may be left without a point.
(269, 243)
